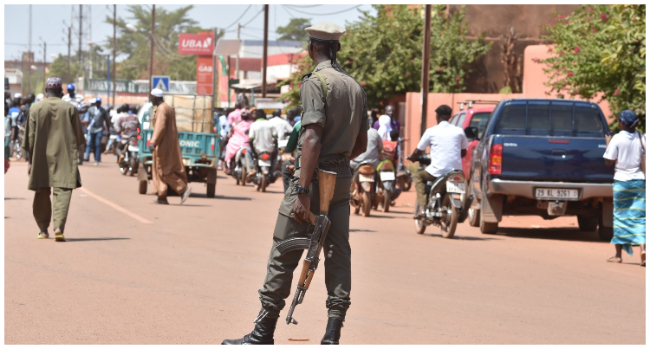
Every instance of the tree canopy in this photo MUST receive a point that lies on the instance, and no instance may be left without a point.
(600, 48)
(295, 30)
(384, 52)
(135, 45)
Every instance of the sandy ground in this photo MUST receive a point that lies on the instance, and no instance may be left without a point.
(137, 273)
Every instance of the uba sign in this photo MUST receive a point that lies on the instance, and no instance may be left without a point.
(196, 44)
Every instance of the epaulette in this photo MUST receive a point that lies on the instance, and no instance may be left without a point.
(306, 76)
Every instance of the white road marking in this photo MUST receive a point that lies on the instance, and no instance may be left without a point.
(115, 206)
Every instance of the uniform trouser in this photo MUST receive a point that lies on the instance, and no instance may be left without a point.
(336, 252)
(421, 179)
(43, 211)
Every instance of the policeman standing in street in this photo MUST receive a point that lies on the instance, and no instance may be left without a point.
(334, 125)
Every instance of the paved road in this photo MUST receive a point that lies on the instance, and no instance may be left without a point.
(136, 273)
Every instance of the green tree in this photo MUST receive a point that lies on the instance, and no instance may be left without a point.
(135, 45)
(59, 68)
(600, 48)
(384, 52)
(295, 30)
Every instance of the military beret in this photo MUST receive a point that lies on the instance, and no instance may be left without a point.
(325, 31)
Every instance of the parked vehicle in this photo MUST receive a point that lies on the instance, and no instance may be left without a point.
(363, 190)
(444, 201)
(128, 155)
(542, 157)
(472, 117)
(200, 147)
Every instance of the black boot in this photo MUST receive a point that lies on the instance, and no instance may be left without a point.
(262, 333)
(333, 331)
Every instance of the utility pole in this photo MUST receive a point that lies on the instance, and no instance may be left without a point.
(153, 27)
(69, 47)
(29, 53)
(266, 44)
(426, 51)
(237, 64)
(80, 33)
(114, 48)
(44, 63)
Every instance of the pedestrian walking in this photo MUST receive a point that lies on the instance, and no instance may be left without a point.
(167, 168)
(626, 150)
(98, 120)
(52, 135)
(334, 125)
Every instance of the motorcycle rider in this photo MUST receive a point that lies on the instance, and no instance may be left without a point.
(262, 138)
(126, 126)
(72, 97)
(373, 150)
(448, 145)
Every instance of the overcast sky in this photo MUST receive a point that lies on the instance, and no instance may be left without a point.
(48, 26)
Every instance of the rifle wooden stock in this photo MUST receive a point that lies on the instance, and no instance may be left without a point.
(303, 273)
(326, 186)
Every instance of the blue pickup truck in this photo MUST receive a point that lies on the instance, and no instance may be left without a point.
(542, 157)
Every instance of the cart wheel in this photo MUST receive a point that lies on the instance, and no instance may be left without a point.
(211, 190)
(142, 187)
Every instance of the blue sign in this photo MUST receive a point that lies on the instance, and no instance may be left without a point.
(161, 82)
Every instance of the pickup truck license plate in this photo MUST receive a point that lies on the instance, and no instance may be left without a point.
(553, 194)
(366, 178)
(264, 162)
(453, 187)
(387, 176)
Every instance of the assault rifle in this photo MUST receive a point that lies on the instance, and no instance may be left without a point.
(314, 242)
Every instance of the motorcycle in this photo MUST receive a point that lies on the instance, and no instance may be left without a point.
(15, 145)
(363, 189)
(265, 174)
(128, 155)
(404, 177)
(444, 202)
(238, 164)
(387, 191)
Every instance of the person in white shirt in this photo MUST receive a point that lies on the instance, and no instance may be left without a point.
(281, 126)
(626, 150)
(448, 145)
(262, 138)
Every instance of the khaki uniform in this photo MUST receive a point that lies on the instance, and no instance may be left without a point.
(342, 116)
(167, 168)
(53, 135)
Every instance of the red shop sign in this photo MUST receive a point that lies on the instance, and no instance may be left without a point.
(196, 44)
(204, 75)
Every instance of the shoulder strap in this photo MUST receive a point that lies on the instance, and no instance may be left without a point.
(323, 85)
(641, 140)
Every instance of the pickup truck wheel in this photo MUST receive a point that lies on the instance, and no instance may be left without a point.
(211, 190)
(488, 228)
(587, 223)
(142, 187)
(474, 216)
(604, 233)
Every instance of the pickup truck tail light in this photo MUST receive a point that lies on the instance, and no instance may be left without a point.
(496, 159)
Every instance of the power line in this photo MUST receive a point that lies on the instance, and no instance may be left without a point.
(324, 14)
(304, 6)
(240, 17)
(252, 19)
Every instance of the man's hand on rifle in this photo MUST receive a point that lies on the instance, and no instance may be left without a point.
(301, 208)
(292, 168)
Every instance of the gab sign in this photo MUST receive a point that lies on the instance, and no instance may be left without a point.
(204, 75)
(196, 44)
